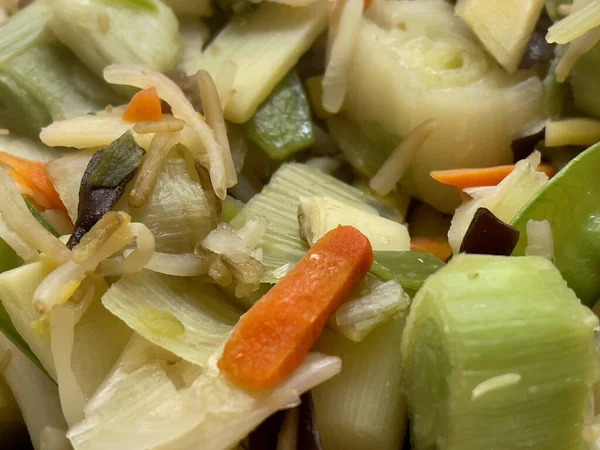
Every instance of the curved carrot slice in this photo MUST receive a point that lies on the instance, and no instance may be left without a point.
(144, 106)
(33, 176)
(275, 335)
(436, 245)
(486, 176)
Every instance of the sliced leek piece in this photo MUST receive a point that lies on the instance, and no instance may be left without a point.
(183, 315)
(102, 33)
(319, 215)
(415, 61)
(179, 212)
(264, 45)
(504, 27)
(279, 201)
(363, 408)
(498, 351)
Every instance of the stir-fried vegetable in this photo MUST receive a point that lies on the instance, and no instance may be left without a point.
(480, 349)
(101, 33)
(144, 106)
(333, 267)
(282, 125)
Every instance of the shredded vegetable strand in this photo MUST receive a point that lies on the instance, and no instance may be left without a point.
(576, 24)
(134, 260)
(62, 336)
(576, 50)
(211, 105)
(394, 167)
(179, 265)
(17, 216)
(133, 75)
(344, 26)
(150, 169)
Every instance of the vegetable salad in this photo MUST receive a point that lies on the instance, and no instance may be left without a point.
(299, 225)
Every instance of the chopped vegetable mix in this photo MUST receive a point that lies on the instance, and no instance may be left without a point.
(300, 224)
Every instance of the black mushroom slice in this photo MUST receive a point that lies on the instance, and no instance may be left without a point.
(488, 235)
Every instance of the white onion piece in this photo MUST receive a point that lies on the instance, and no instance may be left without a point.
(133, 75)
(344, 24)
(394, 167)
(213, 112)
(26, 251)
(17, 216)
(539, 239)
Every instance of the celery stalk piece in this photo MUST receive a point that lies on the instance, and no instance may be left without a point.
(183, 315)
(319, 215)
(416, 61)
(101, 33)
(278, 202)
(362, 408)
(504, 28)
(264, 45)
(498, 351)
(283, 124)
(570, 203)
(94, 351)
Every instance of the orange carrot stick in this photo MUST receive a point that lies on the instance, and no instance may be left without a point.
(144, 106)
(32, 175)
(487, 176)
(436, 245)
(275, 335)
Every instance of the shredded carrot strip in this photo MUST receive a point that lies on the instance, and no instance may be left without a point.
(275, 335)
(144, 106)
(436, 245)
(32, 176)
(368, 3)
(487, 176)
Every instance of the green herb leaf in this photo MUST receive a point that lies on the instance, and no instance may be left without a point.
(117, 162)
(40, 218)
(283, 124)
(410, 269)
